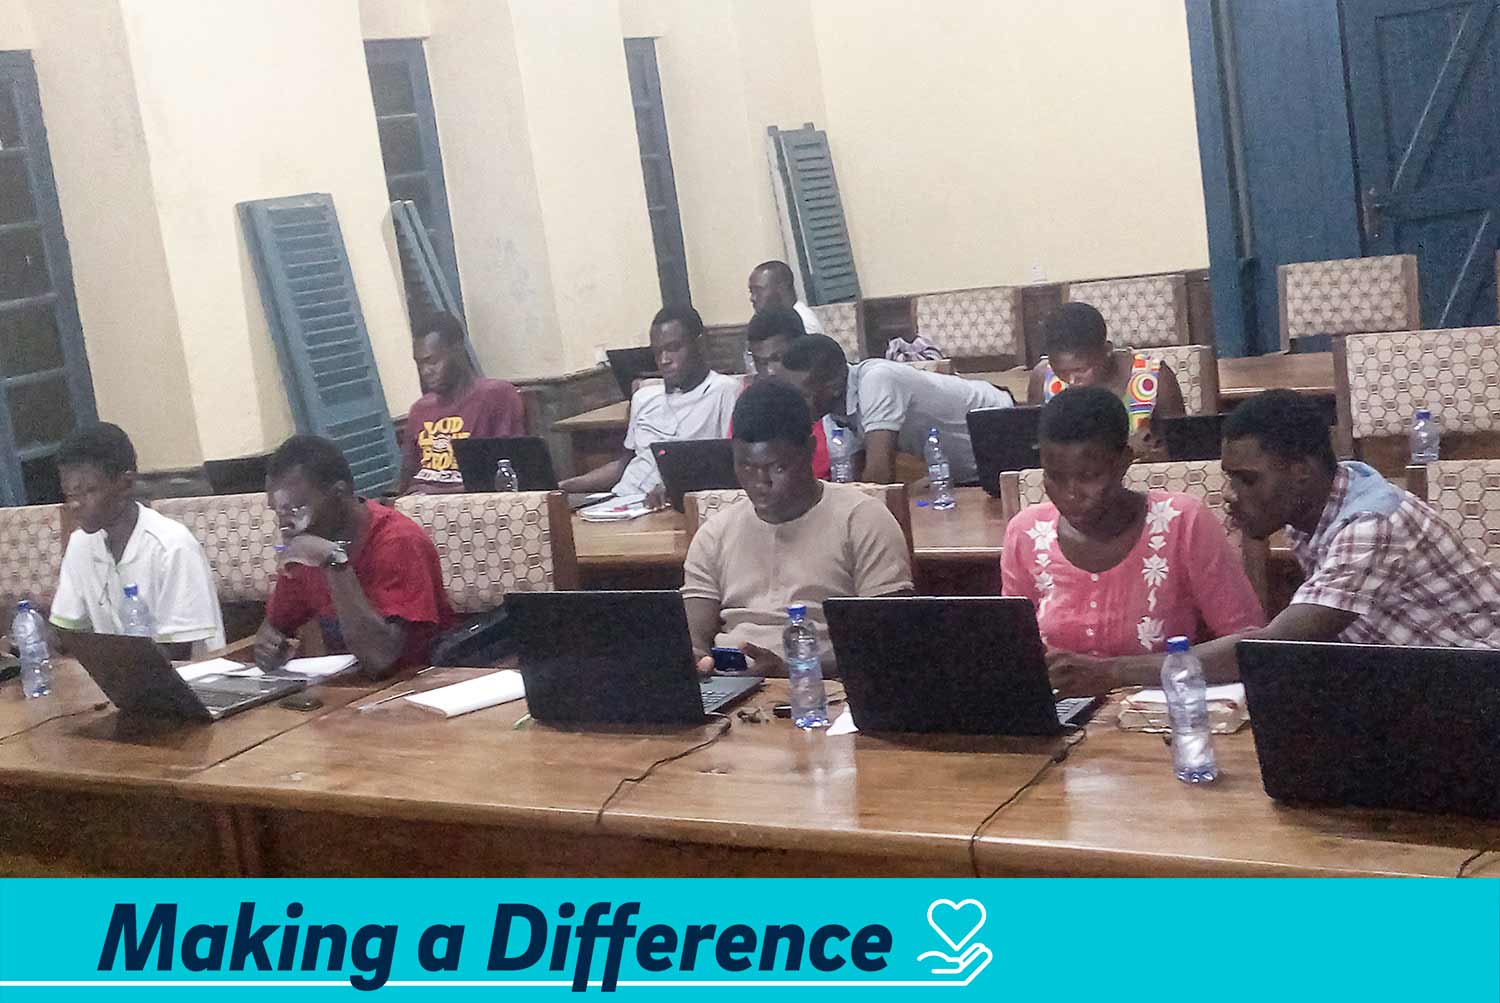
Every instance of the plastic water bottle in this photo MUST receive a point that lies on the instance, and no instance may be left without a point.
(840, 456)
(1187, 707)
(939, 475)
(137, 615)
(30, 635)
(799, 649)
(749, 363)
(505, 477)
(1426, 434)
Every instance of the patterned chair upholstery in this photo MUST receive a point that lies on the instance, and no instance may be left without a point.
(494, 544)
(1348, 296)
(1197, 370)
(972, 323)
(1466, 494)
(699, 506)
(1147, 312)
(31, 550)
(1200, 478)
(1454, 372)
(841, 323)
(239, 535)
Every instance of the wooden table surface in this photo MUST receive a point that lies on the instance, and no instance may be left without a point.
(1310, 373)
(615, 415)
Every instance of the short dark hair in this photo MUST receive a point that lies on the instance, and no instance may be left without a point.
(321, 460)
(1074, 327)
(772, 411)
(817, 354)
(1085, 414)
(1286, 424)
(446, 326)
(780, 271)
(770, 323)
(101, 445)
(684, 315)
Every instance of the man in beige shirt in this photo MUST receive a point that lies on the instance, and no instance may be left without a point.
(792, 539)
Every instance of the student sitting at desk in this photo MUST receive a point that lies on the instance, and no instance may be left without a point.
(369, 575)
(890, 406)
(456, 403)
(691, 402)
(1080, 354)
(1114, 572)
(770, 333)
(773, 287)
(121, 542)
(793, 539)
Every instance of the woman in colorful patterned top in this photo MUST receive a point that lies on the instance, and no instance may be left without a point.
(1080, 354)
(1113, 572)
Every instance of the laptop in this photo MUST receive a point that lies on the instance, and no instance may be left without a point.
(1004, 438)
(614, 658)
(694, 465)
(1194, 437)
(1376, 726)
(952, 665)
(629, 365)
(477, 459)
(138, 679)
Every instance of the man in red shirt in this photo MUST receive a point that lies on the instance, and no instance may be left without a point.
(369, 575)
(456, 404)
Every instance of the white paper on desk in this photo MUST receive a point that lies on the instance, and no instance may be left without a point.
(1227, 693)
(216, 667)
(843, 724)
(320, 667)
(617, 509)
(472, 694)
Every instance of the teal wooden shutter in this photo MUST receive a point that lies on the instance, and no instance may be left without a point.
(817, 214)
(313, 312)
(427, 290)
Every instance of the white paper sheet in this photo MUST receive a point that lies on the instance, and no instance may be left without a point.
(843, 724)
(319, 668)
(1227, 693)
(472, 694)
(216, 667)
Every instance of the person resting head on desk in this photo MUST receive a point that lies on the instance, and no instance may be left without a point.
(691, 402)
(367, 574)
(1113, 572)
(120, 542)
(1080, 354)
(792, 539)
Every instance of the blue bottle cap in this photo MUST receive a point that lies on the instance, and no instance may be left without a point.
(131, 591)
(1175, 644)
(23, 606)
(1423, 412)
(797, 611)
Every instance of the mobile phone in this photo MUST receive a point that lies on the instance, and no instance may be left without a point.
(729, 660)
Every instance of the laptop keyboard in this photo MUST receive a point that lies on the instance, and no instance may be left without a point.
(721, 690)
(1075, 708)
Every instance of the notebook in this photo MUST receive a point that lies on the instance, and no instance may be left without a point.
(489, 690)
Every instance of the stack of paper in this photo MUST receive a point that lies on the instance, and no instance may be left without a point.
(472, 694)
(319, 668)
(1147, 710)
(216, 667)
(617, 509)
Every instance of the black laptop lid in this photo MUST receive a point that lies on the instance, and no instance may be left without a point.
(1376, 726)
(965, 666)
(695, 465)
(606, 657)
(136, 676)
(1004, 438)
(1193, 437)
(629, 365)
(477, 459)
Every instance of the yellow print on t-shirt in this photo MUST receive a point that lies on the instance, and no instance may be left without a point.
(436, 442)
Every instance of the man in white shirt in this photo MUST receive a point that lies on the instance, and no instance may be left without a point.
(891, 406)
(772, 287)
(120, 542)
(691, 402)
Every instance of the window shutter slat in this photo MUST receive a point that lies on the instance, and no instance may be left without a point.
(313, 312)
(427, 290)
(817, 215)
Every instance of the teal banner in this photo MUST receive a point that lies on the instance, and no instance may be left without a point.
(283, 940)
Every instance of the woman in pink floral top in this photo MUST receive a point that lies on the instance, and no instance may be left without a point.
(1115, 572)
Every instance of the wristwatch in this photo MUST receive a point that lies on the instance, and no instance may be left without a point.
(338, 557)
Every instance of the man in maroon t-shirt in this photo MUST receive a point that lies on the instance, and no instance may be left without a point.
(456, 404)
(369, 575)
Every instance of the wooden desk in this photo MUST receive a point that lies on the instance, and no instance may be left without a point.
(642, 553)
(1309, 373)
(597, 435)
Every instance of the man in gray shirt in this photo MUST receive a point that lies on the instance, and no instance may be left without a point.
(890, 406)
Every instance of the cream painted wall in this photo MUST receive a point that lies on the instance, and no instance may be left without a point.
(394, 19)
(15, 26)
(217, 138)
(120, 270)
(999, 141)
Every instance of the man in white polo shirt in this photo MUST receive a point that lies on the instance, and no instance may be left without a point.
(121, 542)
(772, 287)
(691, 402)
(890, 406)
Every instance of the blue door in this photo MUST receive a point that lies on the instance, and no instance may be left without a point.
(1424, 101)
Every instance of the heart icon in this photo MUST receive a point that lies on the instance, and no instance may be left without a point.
(946, 913)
